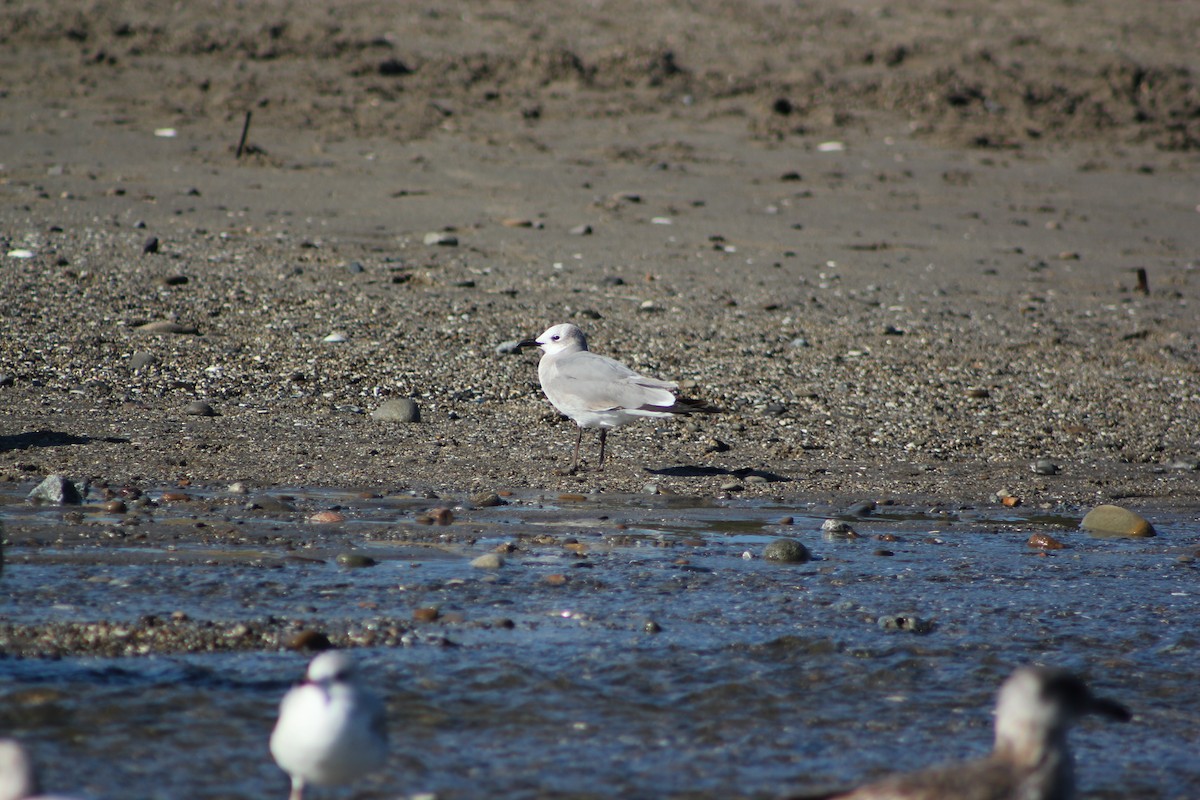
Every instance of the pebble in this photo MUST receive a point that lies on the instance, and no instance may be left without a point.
(905, 622)
(306, 640)
(6, 379)
(337, 337)
(581, 230)
(442, 239)
(141, 359)
(150, 246)
(174, 280)
(166, 326)
(789, 551)
(518, 222)
(1044, 466)
(56, 489)
(1114, 522)
(355, 560)
(488, 561)
(862, 508)
(1044, 541)
(487, 500)
(732, 486)
(426, 614)
(400, 409)
(555, 579)
(326, 517)
(265, 502)
(835, 529)
(978, 392)
(115, 507)
(199, 408)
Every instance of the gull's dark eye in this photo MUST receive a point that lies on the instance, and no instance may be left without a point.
(555, 338)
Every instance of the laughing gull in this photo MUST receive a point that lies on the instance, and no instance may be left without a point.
(18, 778)
(598, 392)
(1030, 760)
(330, 731)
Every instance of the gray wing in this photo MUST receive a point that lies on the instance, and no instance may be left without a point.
(598, 383)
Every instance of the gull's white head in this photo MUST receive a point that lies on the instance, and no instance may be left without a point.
(330, 666)
(1038, 705)
(560, 338)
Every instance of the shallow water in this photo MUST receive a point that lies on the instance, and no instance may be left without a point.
(667, 664)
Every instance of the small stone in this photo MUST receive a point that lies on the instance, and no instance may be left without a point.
(309, 640)
(400, 409)
(115, 507)
(56, 489)
(6, 379)
(166, 326)
(199, 408)
(1044, 541)
(788, 551)
(1010, 501)
(732, 486)
(978, 392)
(174, 497)
(905, 622)
(441, 516)
(140, 360)
(555, 579)
(326, 517)
(581, 230)
(487, 500)
(150, 245)
(337, 337)
(426, 614)
(786, 521)
(573, 498)
(355, 560)
(1044, 466)
(517, 222)
(862, 508)
(488, 561)
(174, 280)
(1114, 522)
(265, 502)
(836, 529)
(441, 239)
(650, 626)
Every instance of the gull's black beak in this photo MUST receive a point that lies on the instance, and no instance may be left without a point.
(521, 345)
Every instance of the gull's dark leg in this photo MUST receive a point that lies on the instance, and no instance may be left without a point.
(603, 437)
(578, 441)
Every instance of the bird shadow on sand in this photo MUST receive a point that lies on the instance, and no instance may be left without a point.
(693, 471)
(48, 438)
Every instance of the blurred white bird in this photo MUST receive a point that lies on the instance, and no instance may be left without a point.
(18, 778)
(1030, 760)
(330, 731)
(598, 392)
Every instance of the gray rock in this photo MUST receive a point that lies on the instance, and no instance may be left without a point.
(140, 360)
(400, 409)
(265, 502)
(199, 408)
(789, 551)
(1044, 466)
(835, 529)
(905, 622)
(581, 230)
(166, 326)
(488, 561)
(439, 238)
(1114, 522)
(58, 490)
(355, 560)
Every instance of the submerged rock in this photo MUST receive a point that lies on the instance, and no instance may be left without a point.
(1114, 522)
(789, 551)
